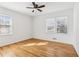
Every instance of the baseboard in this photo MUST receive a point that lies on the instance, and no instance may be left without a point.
(32, 38)
(54, 41)
(9, 43)
(76, 49)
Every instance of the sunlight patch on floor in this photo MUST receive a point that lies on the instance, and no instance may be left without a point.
(36, 44)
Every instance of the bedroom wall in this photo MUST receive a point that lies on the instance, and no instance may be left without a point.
(22, 28)
(39, 27)
(76, 27)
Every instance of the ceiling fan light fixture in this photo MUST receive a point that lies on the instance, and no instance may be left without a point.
(36, 6)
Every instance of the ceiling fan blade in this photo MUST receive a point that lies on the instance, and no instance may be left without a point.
(32, 10)
(30, 7)
(39, 10)
(41, 6)
(34, 4)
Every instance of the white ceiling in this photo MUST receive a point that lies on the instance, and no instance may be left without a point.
(49, 7)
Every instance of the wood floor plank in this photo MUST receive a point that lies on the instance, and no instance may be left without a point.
(38, 48)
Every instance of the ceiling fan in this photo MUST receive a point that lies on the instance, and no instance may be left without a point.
(36, 6)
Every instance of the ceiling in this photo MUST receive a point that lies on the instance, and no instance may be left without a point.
(49, 7)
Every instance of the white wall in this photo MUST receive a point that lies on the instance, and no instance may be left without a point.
(22, 28)
(76, 27)
(40, 27)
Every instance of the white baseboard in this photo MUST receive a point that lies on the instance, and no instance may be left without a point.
(76, 49)
(53, 40)
(8, 43)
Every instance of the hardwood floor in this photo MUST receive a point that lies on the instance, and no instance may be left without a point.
(38, 48)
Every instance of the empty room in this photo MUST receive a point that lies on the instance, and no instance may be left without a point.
(39, 29)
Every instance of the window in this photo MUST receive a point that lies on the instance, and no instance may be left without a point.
(5, 25)
(57, 24)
